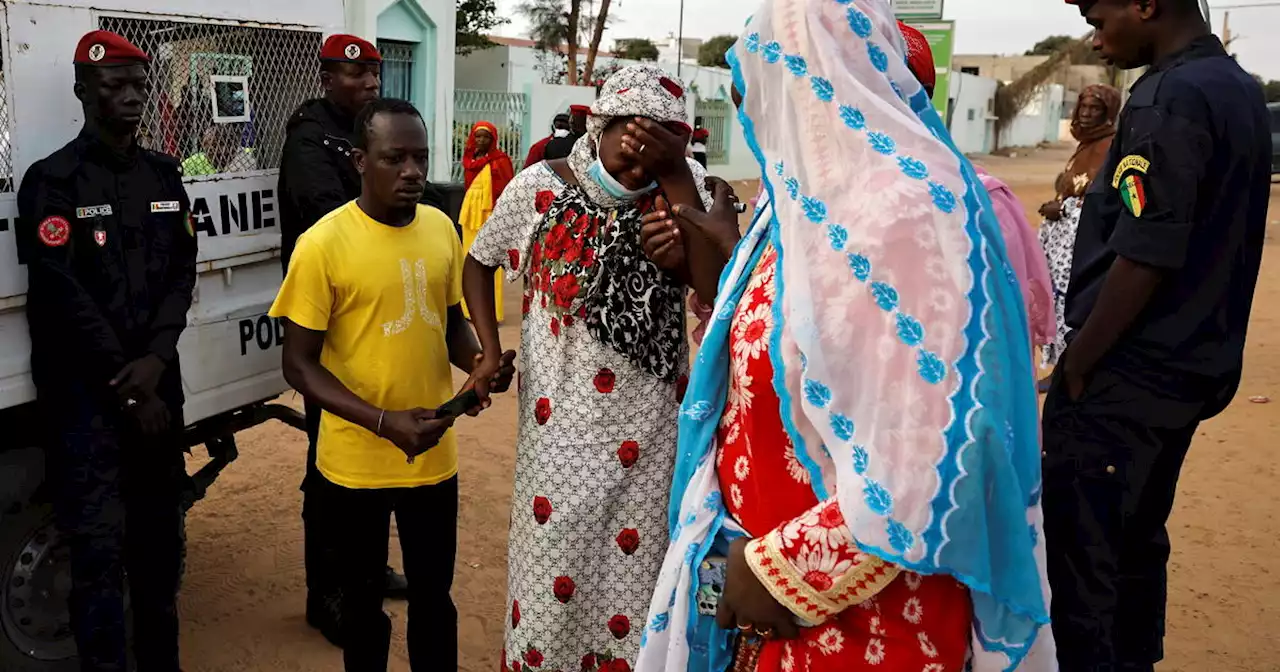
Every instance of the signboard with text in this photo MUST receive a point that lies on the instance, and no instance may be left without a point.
(920, 10)
(941, 36)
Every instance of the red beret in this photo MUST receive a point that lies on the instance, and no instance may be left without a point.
(580, 109)
(102, 47)
(349, 49)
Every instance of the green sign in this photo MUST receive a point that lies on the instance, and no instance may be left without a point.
(941, 36)
(919, 10)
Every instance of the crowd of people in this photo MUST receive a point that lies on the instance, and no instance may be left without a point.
(851, 474)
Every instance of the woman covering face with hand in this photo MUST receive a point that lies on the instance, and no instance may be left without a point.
(602, 371)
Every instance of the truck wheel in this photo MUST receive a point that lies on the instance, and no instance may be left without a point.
(35, 579)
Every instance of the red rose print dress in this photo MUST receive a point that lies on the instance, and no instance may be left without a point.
(869, 615)
(599, 386)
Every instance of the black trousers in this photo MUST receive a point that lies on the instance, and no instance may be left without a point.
(427, 520)
(117, 499)
(1111, 466)
(318, 550)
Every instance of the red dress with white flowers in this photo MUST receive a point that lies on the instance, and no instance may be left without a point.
(869, 615)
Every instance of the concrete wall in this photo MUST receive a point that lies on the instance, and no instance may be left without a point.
(1039, 121)
(484, 70)
(545, 102)
(972, 123)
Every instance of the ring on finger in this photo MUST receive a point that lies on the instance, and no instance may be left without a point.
(766, 633)
(747, 628)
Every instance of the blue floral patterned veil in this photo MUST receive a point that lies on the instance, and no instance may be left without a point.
(904, 366)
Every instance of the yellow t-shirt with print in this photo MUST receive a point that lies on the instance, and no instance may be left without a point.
(381, 295)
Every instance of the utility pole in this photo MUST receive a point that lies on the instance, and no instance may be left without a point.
(1226, 30)
(680, 41)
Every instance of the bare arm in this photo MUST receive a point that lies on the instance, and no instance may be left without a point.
(303, 371)
(477, 287)
(463, 346)
(1125, 294)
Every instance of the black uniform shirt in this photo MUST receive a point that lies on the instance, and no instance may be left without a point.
(1184, 189)
(111, 262)
(560, 148)
(317, 175)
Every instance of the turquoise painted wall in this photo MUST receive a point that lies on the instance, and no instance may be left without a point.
(406, 21)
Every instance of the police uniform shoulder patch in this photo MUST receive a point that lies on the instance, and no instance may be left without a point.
(189, 222)
(54, 231)
(1130, 180)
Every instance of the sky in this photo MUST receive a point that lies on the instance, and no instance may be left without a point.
(982, 26)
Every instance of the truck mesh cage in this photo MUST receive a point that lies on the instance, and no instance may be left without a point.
(221, 94)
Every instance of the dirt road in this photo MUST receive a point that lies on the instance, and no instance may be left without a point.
(243, 599)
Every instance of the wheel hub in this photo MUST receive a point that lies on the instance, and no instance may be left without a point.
(33, 598)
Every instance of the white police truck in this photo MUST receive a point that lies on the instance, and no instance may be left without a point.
(225, 77)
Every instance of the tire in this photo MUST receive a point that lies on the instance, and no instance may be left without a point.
(35, 578)
(27, 647)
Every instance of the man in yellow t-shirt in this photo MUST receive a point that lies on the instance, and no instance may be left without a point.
(372, 303)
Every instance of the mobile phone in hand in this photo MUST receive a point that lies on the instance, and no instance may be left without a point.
(458, 405)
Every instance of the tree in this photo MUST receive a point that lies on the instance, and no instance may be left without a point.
(554, 27)
(476, 19)
(1272, 90)
(637, 50)
(1055, 43)
(1050, 45)
(712, 52)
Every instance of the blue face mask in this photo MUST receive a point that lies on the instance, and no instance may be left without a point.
(612, 186)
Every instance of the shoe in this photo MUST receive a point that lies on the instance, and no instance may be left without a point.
(397, 585)
(324, 613)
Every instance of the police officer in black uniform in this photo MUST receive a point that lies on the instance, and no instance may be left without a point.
(317, 176)
(1166, 260)
(110, 251)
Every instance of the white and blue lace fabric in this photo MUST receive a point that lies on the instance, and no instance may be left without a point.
(903, 363)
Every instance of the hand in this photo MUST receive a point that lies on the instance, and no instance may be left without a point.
(658, 149)
(1073, 377)
(1051, 211)
(414, 431)
(660, 238)
(721, 224)
(490, 375)
(152, 415)
(138, 378)
(747, 603)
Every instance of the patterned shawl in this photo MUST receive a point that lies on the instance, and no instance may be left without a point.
(904, 361)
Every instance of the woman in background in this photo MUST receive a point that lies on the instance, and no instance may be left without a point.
(1093, 124)
(488, 171)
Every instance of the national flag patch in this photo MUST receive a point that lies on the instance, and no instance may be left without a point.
(189, 222)
(1134, 194)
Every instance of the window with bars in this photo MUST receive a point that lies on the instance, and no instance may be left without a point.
(191, 100)
(397, 69)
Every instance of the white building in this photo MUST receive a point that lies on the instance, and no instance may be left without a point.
(509, 82)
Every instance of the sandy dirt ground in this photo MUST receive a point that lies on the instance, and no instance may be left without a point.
(242, 604)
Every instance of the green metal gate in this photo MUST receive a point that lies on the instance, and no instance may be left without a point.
(715, 117)
(509, 112)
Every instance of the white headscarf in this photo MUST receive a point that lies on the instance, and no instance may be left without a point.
(904, 363)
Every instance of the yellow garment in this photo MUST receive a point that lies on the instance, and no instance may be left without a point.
(381, 295)
(477, 205)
